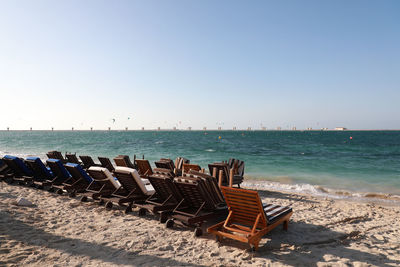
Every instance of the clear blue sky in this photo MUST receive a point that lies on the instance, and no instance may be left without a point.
(199, 63)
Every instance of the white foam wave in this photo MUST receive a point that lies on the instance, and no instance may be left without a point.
(322, 191)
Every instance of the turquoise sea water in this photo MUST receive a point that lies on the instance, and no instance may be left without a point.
(321, 160)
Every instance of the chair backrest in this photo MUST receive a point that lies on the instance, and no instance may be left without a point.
(144, 167)
(124, 161)
(220, 166)
(165, 164)
(187, 167)
(77, 172)
(72, 158)
(179, 162)
(106, 163)
(131, 181)
(194, 192)
(245, 206)
(162, 183)
(17, 166)
(212, 185)
(39, 169)
(58, 169)
(55, 155)
(87, 161)
(104, 176)
(237, 166)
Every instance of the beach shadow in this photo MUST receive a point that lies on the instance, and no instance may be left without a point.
(308, 245)
(30, 235)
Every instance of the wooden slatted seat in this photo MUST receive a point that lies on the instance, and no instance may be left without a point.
(81, 179)
(56, 155)
(166, 196)
(144, 167)
(106, 163)
(72, 158)
(124, 161)
(88, 162)
(103, 184)
(61, 176)
(20, 172)
(248, 220)
(196, 205)
(186, 167)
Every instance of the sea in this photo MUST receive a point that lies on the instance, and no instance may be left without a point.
(337, 164)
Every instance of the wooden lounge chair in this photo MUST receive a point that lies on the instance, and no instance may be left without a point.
(165, 198)
(196, 206)
(179, 161)
(81, 179)
(72, 158)
(62, 176)
(5, 171)
(106, 163)
(56, 155)
(124, 161)
(87, 162)
(238, 169)
(18, 169)
(102, 186)
(41, 174)
(186, 167)
(165, 164)
(144, 167)
(248, 219)
(132, 189)
(225, 171)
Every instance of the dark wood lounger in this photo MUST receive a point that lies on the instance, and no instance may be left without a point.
(106, 163)
(196, 206)
(248, 219)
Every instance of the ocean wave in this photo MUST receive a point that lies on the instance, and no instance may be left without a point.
(320, 191)
(209, 150)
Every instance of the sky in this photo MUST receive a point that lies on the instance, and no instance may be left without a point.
(211, 64)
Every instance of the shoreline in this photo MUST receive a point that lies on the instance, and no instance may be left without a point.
(323, 192)
(62, 230)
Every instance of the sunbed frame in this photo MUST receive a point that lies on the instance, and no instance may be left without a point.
(106, 163)
(248, 220)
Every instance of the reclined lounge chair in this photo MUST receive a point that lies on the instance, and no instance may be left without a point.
(72, 158)
(124, 161)
(5, 171)
(179, 161)
(248, 219)
(103, 185)
(133, 188)
(165, 198)
(81, 179)
(19, 172)
(224, 167)
(87, 162)
(196, 205)
(106, 163)
(56, 155)
(164, 163)
(144, 167)
(41, 174)
(61, 176)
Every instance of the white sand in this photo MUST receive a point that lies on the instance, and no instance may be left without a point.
(61, 231)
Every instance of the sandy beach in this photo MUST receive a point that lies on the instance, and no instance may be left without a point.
(62, 231)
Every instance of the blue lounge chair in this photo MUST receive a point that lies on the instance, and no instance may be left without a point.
(62, 176)
(81, 178)
(18, 168)
(41, 174)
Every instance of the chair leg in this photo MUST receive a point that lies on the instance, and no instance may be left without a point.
(286, 225)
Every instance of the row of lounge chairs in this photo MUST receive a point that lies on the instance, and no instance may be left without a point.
(189, 197)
